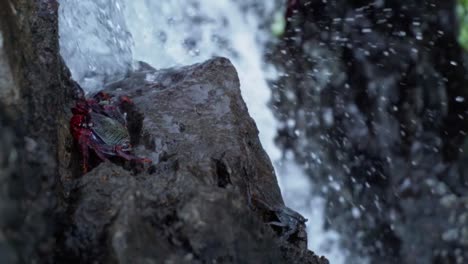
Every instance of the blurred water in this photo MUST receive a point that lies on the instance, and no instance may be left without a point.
(94, 41)
(100, 38)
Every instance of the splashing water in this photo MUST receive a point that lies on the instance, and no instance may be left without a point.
(100, 39)
(94, 41)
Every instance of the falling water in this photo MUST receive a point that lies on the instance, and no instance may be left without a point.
(101, 39)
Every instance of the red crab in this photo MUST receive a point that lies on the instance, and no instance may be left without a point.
(98, 124)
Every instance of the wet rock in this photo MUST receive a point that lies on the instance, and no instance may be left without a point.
(198, 203)
(8, 93)
(373, 101)
(35, 89)
(26, 198)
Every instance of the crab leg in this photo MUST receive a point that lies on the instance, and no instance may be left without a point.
(122, 154)
(99, 152)
(127, 156)
(85, 141)
(84, 152)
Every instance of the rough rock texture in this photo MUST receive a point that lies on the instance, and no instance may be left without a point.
(373, 101)
(192, 206)
(26, 200)
(34, 87)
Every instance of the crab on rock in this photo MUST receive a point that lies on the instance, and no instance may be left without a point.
(98, 124)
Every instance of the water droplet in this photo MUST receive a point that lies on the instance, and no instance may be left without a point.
(355, 212)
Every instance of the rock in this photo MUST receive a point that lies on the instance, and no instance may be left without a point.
(376, 91)
(9, 207)
(207, 198)
(8, 93)
(193, 205)
(27, 200)
(35, 91)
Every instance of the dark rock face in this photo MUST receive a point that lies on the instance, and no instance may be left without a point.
(192, 206)
(26, 200)
(377, 92)
(35, 89)
(207, 198)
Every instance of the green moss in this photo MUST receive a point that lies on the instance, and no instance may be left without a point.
(462, 13)
(279, 24)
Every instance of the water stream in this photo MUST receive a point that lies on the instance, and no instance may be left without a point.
(100, 39)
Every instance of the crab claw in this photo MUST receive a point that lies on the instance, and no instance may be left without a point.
(102, 96)
(125, 99)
